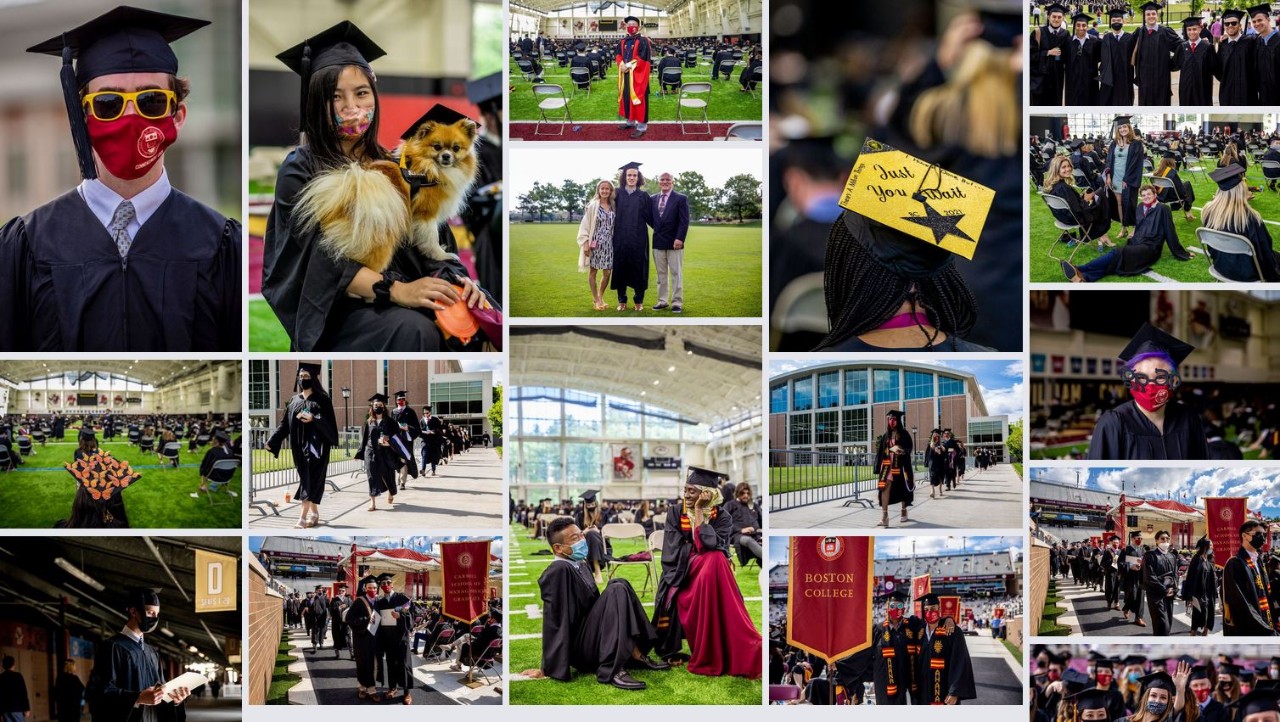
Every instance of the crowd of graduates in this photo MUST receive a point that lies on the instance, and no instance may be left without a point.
(598, 56)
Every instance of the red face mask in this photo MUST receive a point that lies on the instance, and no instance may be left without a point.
(932, 617)
(1151, 398)
(632, 30)
(131, 144)
(1054, 675)
(1202, 695)
(895, 614)
(1104, 678)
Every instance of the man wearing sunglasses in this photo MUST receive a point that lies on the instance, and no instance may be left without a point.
(1149, 426)
(1236, 69)
(123, 262)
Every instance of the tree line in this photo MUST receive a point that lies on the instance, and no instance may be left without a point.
(739, 200)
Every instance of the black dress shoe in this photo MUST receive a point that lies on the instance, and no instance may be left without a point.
(647, 662)
(1068, 270)
(637, 134)
(622, 680)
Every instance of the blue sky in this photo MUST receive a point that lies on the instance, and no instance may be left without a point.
(417, 543)
(1261, 486)
(499, 371)
(1001, 381)
(900, 547)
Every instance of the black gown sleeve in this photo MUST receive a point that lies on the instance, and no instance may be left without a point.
(1240, 600)
(1197, 444)
(230, 295)
(15, 320)
(281, 433)
(327, 424)
(364, 440)
(559, 619)
(960, 669)
(1106, 442)
(1263, 248)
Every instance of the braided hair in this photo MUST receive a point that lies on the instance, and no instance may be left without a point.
(862, 294)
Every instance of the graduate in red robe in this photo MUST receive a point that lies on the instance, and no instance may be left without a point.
(634, 54)
(698, 597)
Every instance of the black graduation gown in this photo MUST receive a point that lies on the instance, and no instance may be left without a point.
(1159, 577)
(585, 629)
(631, 242)
(1239, 267)
(1201, 586)
(64, 287)
(943, 667)
(1244, 585)
(1048, 74)
(433, 438)
(1123, 433)
(68, 693)
(338, 626)
(1116, 72)
(407, 419)
(483, 217)
(1110, 576)
(1094, 217)
(319, 619)
(1195, 79)
(212, 456)
(309, 443)
(380, 462)
(1267, 61)
(1082, 71)
(900, 486)
(677, 549)
(122, 668)
(1154, 63)
(893, 656)
(1237, 72)
(1131, 579)
(393, 640)
(307, 289)
(363, 643)
(1153, 231)
(743, 516)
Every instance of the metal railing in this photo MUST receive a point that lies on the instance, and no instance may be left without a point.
(800, 478)
(267, 472)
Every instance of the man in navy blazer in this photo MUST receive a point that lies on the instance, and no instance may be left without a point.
(670, 213)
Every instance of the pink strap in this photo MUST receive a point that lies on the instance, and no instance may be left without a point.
(906, 320)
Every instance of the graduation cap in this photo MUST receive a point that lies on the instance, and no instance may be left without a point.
(385, 577)
(341, 585)
(222, 435)
(1159, 680)
(486, 91)
(1116, 13)
(1001, 21)
(589, 496)
(896, 414)
(378, 397)
(86, 434)
(1151, 6)
(313, 369)
(1233, 15)
(370, 579)
(1229, 668)
(122, 40)
(1104, 662)
(1082, 18)
(1199, 671)
(1150, 339)
(705, 478)
(629, 18)
(1275, 661)
(1093, 698)
(1257, 701)
(901, 594)
(1121, 120)
(629, 166)
(319, 587)
(1191, 20)
(1267, 684)
(496, 614)
(441, 114)
(401, 395)
(342, 44)
(929, 600)
(1228, 177)
(1133, 659)
(139, 597)
(1055, 8)
(1264, 9)
(1074, 681)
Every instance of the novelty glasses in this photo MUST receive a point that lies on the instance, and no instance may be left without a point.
(152, 103)
(1161, 378)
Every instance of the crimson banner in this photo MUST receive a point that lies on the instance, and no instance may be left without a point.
(829, 588)
(950, 607)
(464, 571)
(1223, 516)
(920, 586)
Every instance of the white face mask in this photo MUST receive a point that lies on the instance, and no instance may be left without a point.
(1164, 546)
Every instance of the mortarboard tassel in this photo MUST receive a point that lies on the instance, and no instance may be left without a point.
(75, 114)
(306, 81)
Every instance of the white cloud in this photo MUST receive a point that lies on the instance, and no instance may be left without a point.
(1003, 401)
(1014, 369)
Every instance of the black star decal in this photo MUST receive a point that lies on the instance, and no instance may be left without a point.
(941, 225)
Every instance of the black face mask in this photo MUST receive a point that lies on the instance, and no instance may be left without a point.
(377, 410)
(305, 384)
(1117, 26)
(1257, 540)
(148, 624)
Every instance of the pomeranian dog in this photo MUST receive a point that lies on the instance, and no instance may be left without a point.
(365, 210)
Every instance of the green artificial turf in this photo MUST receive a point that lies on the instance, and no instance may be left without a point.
(159, 500)
(727, 103)
(671, 687)
(722, 273)
(265, 331)
(282, 680)
(1063, 452)
(1046, 270)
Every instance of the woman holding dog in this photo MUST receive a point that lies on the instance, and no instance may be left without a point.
(340, 305)
(595, 241)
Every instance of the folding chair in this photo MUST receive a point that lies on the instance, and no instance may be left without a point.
(485, 660)
(698, 104)
(202, 440)
(580, 77)
(437, 651)
(1271, 171)
(1166, 184)
(6, 461)
(659, 520)
(736, 55)
(1223, 242)
(753, 85)
(220, 475)
(655, 549)
(801, 308)
(745, 131)
(551, 102)
(627, 531)
(671, 76)
(1074, 230)
(147, 443)
(38, 436)
(562, 59)
(24, 445)
(726, 68)
(171, 452)
(1192, 163)
(134, 434)
(526, 70)
(691, 59)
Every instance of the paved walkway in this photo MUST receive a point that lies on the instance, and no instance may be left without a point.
(990, 499)
(466, 493)
(1087, 614)
(995, 672)
(327, 679)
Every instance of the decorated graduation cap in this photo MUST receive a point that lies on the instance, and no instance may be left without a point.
(1228, 177)
(139, 597)
(1093, 698)
(486, 92)
(1263, 9)
(102, 476)
(378, 397)
(1151, 340)
(123, 40)
(342, 44)
(1257, 701)
(1159, 680)
(438, 113)
(705, 478)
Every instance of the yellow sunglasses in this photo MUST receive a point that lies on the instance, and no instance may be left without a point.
(152, 103)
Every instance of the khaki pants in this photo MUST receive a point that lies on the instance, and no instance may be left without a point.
(670, 262)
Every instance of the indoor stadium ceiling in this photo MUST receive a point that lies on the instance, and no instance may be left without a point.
(31, 581)
(155, 373)
(716, 368)
(546, 6)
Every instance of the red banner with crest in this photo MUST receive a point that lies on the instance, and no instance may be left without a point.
(1223, 516)
(829, 589)
(464, 572)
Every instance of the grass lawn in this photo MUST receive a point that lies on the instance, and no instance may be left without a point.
(727, 103)
(1065, 452)
(1014, 649)
(1018, 468)
(796, 478)
(1043, 233)
(40, 493)
(672, 687)
(261, 460)
(722, 273)
(281, 679)
(265, 331)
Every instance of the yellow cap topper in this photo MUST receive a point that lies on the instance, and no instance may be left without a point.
(917, 198)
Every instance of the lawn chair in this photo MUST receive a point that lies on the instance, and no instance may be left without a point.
(555, 100)
(219, 476)
(627, 531)
(671, 76)
(745, 131)
(526, 70)
(698, 104)
(1271, 171)
(24, 445)
(1166, 184)
(147, 443)
(485, 660)
(437, 652)
(580, 77)
(726, 68)
(1074, 231)
(1223, 242)
(171, 451)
